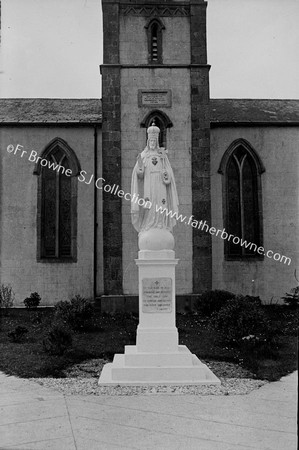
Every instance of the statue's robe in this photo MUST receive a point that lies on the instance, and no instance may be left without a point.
(158, 191)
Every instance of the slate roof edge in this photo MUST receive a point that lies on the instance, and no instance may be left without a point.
(222, 123)
(223, 112)
(46, 122)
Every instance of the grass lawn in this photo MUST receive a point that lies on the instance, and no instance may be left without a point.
(112, 333)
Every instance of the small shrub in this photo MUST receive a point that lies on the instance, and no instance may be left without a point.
(18, 334)
(212, 301)
(292, 299)
(255, 347)
(241, 316)
(78, 313)
(256, 301)
(33, 301)
(58, 339)
(36, 317)
(127, 322)
(7, 296)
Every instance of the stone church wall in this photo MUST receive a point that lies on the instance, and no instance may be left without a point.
(18, 221)
(278, 149)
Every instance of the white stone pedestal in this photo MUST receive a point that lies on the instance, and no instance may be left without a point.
(156, 358)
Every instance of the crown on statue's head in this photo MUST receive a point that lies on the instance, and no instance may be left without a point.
(153, 131)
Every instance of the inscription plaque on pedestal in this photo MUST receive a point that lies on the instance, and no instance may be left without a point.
(152, 98)
(156, 295)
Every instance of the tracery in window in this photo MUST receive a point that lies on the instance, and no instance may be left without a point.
(57, 203)
(242, 168)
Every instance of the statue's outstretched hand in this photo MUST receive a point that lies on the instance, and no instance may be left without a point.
(163, 151)
(165, 177)
(139, 160)
(140, 167)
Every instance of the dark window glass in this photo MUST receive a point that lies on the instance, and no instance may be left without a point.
(49, 213)
(56, 214)
(65, 215)
(242, 215)
(233, 203)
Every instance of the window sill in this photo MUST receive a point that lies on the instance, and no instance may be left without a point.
(57, 260)
(246, 258)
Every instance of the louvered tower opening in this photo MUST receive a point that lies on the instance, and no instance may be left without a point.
(154, 42)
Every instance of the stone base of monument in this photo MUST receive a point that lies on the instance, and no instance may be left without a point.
(134, 368)
(157, 358)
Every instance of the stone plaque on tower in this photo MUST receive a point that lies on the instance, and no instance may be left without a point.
(154, 98)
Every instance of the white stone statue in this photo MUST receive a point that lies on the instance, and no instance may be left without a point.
(153, 181)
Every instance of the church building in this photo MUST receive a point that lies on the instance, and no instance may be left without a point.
(66, 168)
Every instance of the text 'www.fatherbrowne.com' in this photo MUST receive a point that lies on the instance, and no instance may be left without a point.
(202, 225)
(100, 183)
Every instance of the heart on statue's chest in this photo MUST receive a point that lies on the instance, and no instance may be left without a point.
(154, 161)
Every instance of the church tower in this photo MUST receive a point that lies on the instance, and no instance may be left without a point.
(155, 67)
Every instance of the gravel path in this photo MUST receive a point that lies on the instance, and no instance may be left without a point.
(82, 379)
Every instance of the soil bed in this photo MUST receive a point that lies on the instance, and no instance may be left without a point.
(90, 350)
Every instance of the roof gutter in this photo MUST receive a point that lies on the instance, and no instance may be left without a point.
(223, 124)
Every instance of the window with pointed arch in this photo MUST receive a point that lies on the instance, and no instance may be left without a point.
(162, 121)
(57, 203)
(241, 168)
(154, 37)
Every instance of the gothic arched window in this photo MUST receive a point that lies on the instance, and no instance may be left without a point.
(154, 38)
(162, 121)
(242, 168)
(57, 168)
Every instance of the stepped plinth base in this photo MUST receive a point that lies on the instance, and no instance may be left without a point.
(173, 368)
(156, 358)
